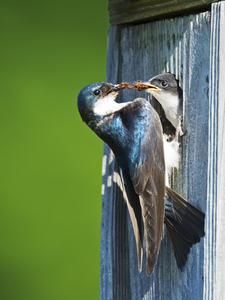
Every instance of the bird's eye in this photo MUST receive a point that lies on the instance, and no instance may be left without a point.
(96, 92)
(164, 83)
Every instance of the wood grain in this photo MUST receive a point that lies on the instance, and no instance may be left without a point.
(182, 46)
(137, 11)
(215, 242)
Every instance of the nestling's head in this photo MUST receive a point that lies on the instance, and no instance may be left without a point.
(166, 83)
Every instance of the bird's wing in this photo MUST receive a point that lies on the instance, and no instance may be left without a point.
(147, 175)
(134, 209)
(167, 126)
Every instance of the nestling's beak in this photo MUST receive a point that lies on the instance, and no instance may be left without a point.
(140, 86)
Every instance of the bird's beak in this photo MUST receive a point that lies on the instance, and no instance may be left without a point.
(140, 86)
(108, 88)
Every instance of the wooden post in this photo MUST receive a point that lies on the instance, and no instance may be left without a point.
(192, 47)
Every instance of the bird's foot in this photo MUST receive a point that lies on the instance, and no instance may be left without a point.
(180, 131)
(169, 137)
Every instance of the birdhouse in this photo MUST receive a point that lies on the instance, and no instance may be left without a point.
(186, 38)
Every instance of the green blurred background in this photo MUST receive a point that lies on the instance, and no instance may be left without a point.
(50, 162)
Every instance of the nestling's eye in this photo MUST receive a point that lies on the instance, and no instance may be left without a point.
(96, 92)
(164, 83)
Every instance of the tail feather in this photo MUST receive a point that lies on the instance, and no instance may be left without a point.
(185, 224)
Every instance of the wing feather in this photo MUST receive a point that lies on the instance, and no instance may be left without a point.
(148, 177)
(135, 216)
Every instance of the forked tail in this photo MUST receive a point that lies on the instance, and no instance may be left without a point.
(185, 224)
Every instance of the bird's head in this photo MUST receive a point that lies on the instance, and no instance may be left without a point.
(97, 99)
(167, 86)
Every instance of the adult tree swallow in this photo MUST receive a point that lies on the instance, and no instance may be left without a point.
(134, 133)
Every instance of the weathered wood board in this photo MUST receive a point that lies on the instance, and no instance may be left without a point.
(192, 48)
(131, 11)
(215, 242)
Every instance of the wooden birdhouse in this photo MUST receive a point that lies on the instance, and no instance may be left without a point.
(186, 38)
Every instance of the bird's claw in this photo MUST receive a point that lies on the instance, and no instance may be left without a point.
(180, 131)
(170, 137)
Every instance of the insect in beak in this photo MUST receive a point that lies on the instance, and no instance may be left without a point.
(138, 85)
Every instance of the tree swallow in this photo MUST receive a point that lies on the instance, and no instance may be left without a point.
(134, 133)
(169, 95)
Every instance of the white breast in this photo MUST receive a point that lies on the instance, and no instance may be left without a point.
(170, 104)
(172, 157)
